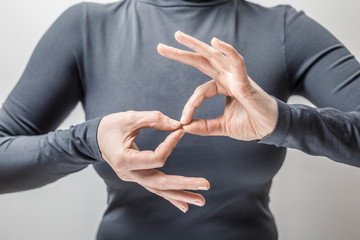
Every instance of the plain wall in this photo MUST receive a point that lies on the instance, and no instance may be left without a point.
(312, 197)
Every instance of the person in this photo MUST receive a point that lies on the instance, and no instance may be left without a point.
(105, 55)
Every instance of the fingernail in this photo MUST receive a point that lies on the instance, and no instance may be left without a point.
(178, 31)
(198, 203)
(183, 209)
(174, 122)
(182, 119)
(203, 188)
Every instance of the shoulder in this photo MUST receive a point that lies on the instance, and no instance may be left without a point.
(69, 23)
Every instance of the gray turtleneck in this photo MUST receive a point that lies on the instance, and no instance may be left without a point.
(104, 55)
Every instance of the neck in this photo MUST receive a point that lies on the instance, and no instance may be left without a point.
(185, 2)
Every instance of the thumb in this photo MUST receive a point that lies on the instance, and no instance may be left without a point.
(153, 119)
(205, 127)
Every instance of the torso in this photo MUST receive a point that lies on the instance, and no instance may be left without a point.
(123, 71)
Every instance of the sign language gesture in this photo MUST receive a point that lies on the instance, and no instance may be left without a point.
(250, 113)
(116, 135)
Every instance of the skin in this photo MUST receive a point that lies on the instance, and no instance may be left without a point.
(116, 135)
(250, 114)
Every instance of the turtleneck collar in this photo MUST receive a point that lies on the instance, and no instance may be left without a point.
(173, 3)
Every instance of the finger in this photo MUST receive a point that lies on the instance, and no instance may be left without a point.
(135, 160)
(236, 60)
(184, 207)
(180, 195)
(204, 91)
(189, 58)
(156, 179)
(134, 146)
(215, 57)
(179, 204)
(167, 146)
(153, 119)
(206, 127)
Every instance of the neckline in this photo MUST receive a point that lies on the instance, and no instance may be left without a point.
(179, 3)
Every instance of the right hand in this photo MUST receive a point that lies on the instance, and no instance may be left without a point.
(116, 135)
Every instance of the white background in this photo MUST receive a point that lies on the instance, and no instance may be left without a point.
(312, 198)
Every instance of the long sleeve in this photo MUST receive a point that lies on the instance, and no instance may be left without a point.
(32, 154)
(322, 70)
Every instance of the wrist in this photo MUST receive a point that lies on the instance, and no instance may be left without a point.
(283, 123)
(273, 116)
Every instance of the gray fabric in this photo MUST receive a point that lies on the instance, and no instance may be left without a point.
(104, 55)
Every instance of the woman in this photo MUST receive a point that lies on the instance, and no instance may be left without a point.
(105, 56)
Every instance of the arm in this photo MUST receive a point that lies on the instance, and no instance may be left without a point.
(322, 70)
(49, 88)
(31, 156)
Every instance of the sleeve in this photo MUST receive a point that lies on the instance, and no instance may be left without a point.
(322, 70)
(32, 154)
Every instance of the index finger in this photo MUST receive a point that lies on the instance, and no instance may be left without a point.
(189, 58)
(152, 119)
(202, 92)
(136, 159)
(215, 57)
(157, 179)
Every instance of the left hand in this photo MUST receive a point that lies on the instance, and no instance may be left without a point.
(250, 113)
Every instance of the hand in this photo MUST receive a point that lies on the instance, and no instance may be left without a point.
(116, 135)
(250, 113)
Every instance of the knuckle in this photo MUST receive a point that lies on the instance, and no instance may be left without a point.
(199, 90)
(202, 62)
(161, 162)
(239, 62)
(125, 178)
(161, 183)
(185, 182)
(130, 112)
(178, 52)
(207, 126)
(199, 65)
(157, 115)
(218, 54)
(154, 190)
(232, 50)
(158, 192)
(241, 59)
(194, 46)
(192, 106)
(158, 160)
(215, 54)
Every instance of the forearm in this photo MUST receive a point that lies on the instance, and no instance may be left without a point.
(33, 161)
(318, 131)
